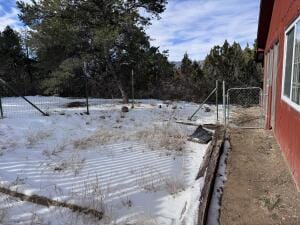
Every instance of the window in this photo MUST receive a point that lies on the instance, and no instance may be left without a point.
(296, 71)
(291, 84)
(289, 62)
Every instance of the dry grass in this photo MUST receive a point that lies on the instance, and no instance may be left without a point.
(142, 220)
(7, 145)
(174, 185)
(151, 180)
(167, 136)
(34, 138)
(270, 202)
(36, 219)
(74, 163)
(93, 196)
(148, 179)
(100, 137)
(18, 181)
(55, 151)
(3, 216)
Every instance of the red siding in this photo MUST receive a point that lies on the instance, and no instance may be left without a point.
(287, 125)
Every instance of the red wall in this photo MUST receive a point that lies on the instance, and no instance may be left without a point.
(287, 125)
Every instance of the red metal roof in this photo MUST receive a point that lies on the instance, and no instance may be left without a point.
(265, 15)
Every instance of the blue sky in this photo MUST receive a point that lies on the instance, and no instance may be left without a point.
(192, 26)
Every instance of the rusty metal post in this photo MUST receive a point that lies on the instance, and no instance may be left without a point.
(224, 103)
(132, 87)
(217, 103)
(1, 108)
(85, 71)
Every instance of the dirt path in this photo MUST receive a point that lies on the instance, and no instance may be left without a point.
(259, 189)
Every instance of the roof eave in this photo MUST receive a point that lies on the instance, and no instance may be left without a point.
(265, 16)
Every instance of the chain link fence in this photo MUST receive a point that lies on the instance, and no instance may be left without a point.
(244, 107)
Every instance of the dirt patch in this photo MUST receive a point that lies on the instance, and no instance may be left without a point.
(260, 189)
(245, 116)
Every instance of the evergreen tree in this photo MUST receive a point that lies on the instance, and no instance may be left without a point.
(186, 65)
(104, 35)
(12, 58)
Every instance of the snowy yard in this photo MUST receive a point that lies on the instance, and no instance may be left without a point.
(136, 167)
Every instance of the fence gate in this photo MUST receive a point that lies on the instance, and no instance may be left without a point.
(244, 107)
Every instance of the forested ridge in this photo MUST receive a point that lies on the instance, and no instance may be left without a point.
(68, 42)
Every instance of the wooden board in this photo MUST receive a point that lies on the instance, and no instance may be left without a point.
(209, 169)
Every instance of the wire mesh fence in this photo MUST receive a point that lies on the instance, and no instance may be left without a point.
(84, 95)
(55, 97)
(244, 107)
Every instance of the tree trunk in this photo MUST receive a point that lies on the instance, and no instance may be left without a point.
(119, 83)
(123, 92)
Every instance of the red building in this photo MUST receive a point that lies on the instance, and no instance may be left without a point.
(279, 49)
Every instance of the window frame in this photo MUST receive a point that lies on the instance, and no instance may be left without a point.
(286, 99)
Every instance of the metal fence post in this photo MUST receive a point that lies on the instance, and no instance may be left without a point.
(228, 105)
(132, 87)
(1, 109)
(87, 96)
(224, 103)
(211, 94)
(261, 108)
(18, 94)
(217, 103)
(86, 87)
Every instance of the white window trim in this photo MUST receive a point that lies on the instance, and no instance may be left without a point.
(283, 97)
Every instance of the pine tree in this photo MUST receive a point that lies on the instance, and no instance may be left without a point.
(105, 35)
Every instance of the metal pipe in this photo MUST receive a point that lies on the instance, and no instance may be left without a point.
(228, 105)
(190, 118)
(86, 87)
(87, 96)
(224, 103)
(1, 109)
(217, 103)
(132, 87)
(261, 108)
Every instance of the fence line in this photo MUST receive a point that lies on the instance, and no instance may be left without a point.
(215, 91)
(244, 107)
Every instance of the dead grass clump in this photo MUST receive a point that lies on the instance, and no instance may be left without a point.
(101, 137)
(167, 136)
(74, 163)
(3, 216)
(92, 196)
(7, 145)
(142, 220)
(148, 179)
(33, 138)
(270, 202)
(174, 185)
(36, 219)
(55, 151)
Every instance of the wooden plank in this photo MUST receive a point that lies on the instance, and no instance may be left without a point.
(40, 200)
(210, 169)
(188, 123)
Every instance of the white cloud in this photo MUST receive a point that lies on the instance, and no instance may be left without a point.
(8, 18)
(194, 26)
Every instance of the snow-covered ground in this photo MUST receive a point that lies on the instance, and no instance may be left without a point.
(138, 167)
